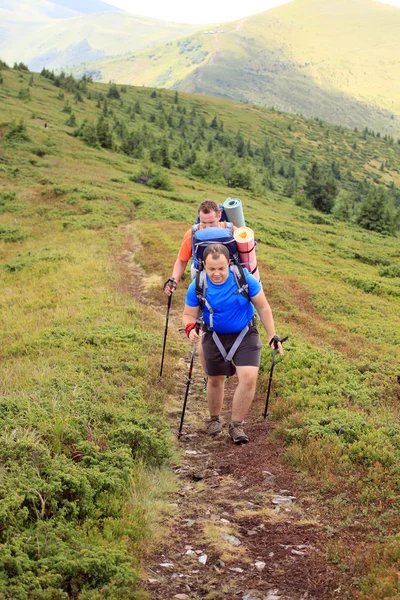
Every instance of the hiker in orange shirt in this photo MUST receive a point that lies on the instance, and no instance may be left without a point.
(209, 215)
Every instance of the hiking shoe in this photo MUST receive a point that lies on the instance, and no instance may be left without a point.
(226, 379)
(237, 433)
(205, 385)
(214, 426)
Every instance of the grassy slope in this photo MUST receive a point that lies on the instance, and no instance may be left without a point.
(69, 355)
(336, 60)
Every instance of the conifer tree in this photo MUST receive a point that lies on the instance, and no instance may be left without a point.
(320, 189)
(375, 212)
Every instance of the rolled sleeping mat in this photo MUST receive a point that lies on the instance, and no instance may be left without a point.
(246, 245)
(234, 211)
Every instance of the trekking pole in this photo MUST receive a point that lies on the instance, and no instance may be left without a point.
(265, 413)
(165, 333)
(189, 381)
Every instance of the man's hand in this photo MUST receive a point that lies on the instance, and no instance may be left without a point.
(192, 332)
(276, 344)
(170, 286)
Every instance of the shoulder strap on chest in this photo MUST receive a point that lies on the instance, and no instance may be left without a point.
(240, 278)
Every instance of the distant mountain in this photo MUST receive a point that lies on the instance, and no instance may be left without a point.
(55, 34)
(335, 59)
(55, 9)
(86, 6)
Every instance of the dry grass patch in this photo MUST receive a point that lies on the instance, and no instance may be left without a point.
(213, 533)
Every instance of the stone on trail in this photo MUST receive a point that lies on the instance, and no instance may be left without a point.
(251, 596)
(273, 595)
(259, 565)
(166, 565)
(231, 539)
(281, 499)
(181, 597)
(190, 522)
(203, 559)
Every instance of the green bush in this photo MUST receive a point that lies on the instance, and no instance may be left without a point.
(10, 233)
(390, 271)
(17, 132)
(155, 179)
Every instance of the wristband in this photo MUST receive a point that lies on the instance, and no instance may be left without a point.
(189, 328)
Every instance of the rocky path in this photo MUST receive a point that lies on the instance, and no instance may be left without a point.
(243, 526)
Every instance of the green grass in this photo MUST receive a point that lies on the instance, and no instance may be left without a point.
(84, 439)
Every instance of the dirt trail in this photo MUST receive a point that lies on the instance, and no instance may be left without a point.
(242, 491)
(243, 526)
(245, 492)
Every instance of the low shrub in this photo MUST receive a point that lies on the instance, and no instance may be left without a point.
(155, 179)
(390, 271)
(17, 132)
(10, 233)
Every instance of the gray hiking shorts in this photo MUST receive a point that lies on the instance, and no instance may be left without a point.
(247, 355)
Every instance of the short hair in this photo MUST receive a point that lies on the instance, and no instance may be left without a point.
(215, 250)
(208, 206)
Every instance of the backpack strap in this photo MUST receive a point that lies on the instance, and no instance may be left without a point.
(201, 290)
(240, 278)
(227, 356)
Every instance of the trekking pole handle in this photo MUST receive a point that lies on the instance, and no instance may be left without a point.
(190, 326)
(276, 339)
(171, 283)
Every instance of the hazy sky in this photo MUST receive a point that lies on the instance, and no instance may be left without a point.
(201, 11)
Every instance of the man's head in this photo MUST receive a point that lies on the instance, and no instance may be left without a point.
(216, 263)
(209, 213)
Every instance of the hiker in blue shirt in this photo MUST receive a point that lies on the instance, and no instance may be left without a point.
(230, 340)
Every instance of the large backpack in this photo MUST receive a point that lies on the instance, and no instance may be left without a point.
(201, 238)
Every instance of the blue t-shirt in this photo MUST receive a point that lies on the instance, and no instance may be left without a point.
(232, 312)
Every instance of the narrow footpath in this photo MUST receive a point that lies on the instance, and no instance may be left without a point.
(242, 525)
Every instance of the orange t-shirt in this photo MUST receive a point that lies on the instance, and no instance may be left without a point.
(185, 252)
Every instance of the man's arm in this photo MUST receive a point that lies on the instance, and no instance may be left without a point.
(179, 269)
(265, 313)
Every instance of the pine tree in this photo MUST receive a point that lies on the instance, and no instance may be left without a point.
(320, 189)
(375, 212)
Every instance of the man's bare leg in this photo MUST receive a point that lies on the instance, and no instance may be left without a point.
(215, 394)
(244, 392)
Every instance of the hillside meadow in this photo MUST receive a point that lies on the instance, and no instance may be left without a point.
(335, 60)
(85, 444)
